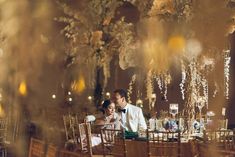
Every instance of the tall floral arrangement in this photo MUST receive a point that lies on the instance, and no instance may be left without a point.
(90, 35)
(166, 33)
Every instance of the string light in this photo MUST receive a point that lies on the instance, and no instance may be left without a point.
(89, 98)
(53, 96)
(107, 95)
(23, 88)
(70, 99)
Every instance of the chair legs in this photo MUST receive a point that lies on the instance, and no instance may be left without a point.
(3, 152)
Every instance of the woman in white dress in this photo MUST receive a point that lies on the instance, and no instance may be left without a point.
(110, 118)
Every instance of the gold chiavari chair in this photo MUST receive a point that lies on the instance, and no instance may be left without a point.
(3, 135)
(163, 143)
(220, 138)
(71, 126)
(85, 138)
(210, 149)
(51, 151)
(232, 145)
(65, 153)
(223, 124)
(229, 142)
(217, 143)
(36, 148)
(113, 142)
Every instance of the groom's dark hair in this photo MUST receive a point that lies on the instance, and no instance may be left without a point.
(122, 93)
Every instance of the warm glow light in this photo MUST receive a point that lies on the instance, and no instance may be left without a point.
(70, 99)
(176, 44)
(2, 113)
(89, 97)
(79, 85)
(156, 56)
(69, 93)
(139, 102)
(53, 96)
(23, 88)
(107, 94)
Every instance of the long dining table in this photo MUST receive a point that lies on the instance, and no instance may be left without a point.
(138, 148)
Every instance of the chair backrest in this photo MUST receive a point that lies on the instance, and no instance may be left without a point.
(64, 153)
(51, 151)
(210, 149)
(70, 126)
(85, 137)
(113, 142)
(220, 139)
(36, 148)
(3, 130)
(163, 143)
(233, 141)
(223, 124)
(109, 126)
(221, 136)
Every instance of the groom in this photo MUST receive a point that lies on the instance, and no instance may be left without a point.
(132, 118)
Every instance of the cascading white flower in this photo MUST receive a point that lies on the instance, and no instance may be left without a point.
(207, 64)
(163, 80)
(159, 83)
(204, 83)
(183, 73)
(167, 81)
(129, 91)
(227, 60)
(150, 88)
(215, 90)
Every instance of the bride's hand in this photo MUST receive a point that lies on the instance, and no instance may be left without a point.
(112, 120)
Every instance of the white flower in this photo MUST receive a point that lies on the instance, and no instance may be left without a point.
(90, 118)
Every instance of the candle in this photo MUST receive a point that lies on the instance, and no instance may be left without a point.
(223, 111)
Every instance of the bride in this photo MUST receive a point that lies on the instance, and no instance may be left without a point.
(110, 118)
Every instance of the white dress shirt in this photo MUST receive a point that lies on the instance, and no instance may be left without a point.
(123, 118)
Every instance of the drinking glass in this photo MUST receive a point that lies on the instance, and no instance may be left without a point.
(174, 109)
(200, 104)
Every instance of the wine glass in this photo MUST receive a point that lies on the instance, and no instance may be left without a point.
(153, 99)
(173, 109)
(200, 104)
